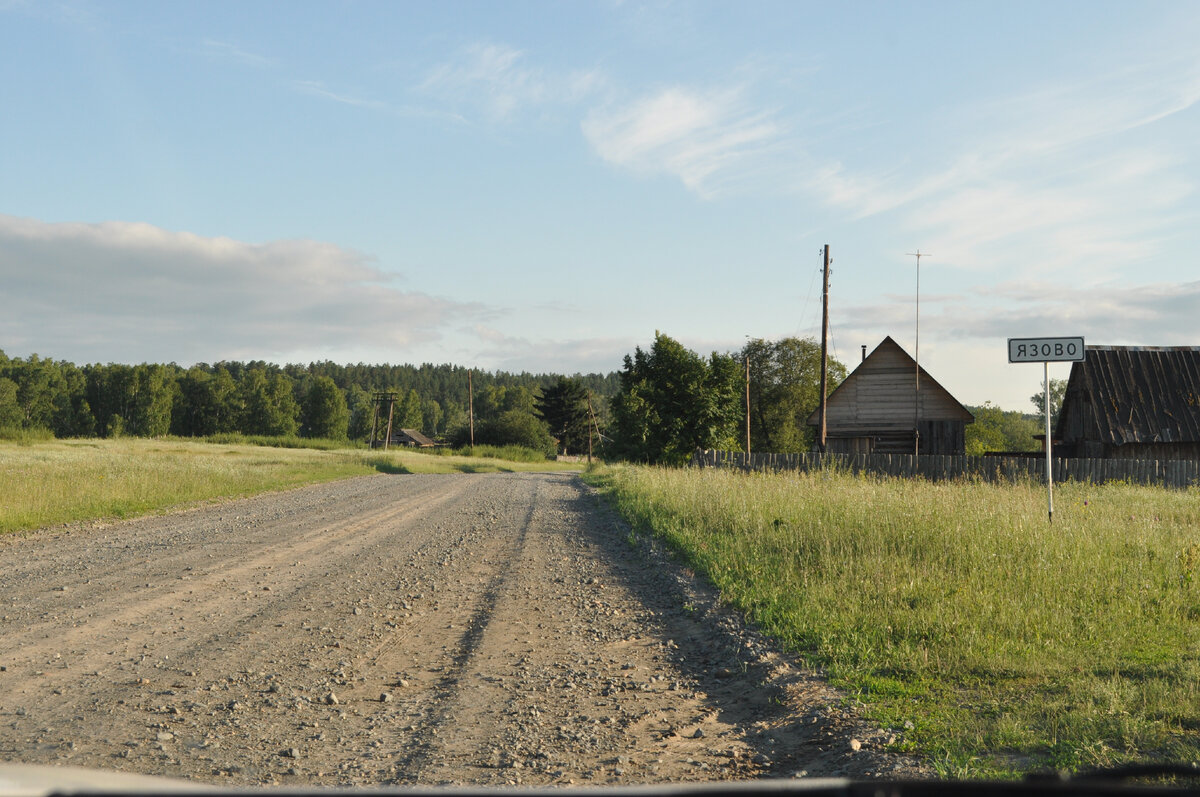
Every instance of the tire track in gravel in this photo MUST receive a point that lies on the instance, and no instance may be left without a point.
(411, 765)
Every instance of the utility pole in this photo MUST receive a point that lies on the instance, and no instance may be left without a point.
(592, 418)
(595, 427)
(747, 404)
(381, 397)
(823, 428)
(917, 359)
(471, 407)
(374, 422)
(391, 412)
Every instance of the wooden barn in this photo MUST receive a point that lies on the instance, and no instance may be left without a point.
(411, 438)
(1132, 402)
(878, 409)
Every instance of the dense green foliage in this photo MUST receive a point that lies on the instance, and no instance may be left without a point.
(1058, 388)
(320, 400)
(325, 410)
(673, 401)
(785, 389)
(664, 404)
(999, 430)
(564, 408)
(516, 427)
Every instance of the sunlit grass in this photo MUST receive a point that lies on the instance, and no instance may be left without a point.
(992, 640)
(49, 483)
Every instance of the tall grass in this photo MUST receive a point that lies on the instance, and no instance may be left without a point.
(280, 441)
(56, 482)
(512, 453)
(994, 641)
(18, 434)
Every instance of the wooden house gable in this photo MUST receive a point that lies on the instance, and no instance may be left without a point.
(880, 394)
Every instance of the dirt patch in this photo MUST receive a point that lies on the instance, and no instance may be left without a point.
(464, 629)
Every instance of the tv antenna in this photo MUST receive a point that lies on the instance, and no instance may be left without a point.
(917, 357)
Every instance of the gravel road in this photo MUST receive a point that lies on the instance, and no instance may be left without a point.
(419, 629)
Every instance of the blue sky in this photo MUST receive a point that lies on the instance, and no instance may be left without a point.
(541, 186)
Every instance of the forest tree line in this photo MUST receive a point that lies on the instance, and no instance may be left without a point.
(322, 399)
(665, 402)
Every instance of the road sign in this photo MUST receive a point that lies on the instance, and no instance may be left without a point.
(1045, 350)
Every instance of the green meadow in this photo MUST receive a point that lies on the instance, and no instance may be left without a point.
(993, 642)
(51, 482)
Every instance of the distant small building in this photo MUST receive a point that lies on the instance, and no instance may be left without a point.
(1132, 402)
(878, 409)
(411, 438)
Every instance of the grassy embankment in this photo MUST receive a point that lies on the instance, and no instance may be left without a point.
(953, 612)
(51, 482)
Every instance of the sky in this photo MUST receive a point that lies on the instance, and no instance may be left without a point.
(541, 186)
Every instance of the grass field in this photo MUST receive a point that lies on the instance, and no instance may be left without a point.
(954, 613)
(52, 482)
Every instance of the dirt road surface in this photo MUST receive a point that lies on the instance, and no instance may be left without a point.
(466, 629)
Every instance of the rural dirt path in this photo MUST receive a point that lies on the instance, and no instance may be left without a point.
(467, 629)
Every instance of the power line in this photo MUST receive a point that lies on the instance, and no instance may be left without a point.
(801, 326)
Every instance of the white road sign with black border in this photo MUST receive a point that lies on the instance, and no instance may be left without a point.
(1045, 350)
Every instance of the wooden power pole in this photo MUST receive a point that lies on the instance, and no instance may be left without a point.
(747, 405)
(391, 413)
(823, 428)
(592, 419)
(471, 407)
(380, 398)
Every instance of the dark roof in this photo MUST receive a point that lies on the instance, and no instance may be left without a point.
(416, 437)
(1140, 394)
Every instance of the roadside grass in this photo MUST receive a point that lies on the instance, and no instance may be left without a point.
(490, 460)
(16, 434)
(280, 441)
(509, 453)
(53, 482)
(993, 642)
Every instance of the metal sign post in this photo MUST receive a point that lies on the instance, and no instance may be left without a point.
(1049, 463)
(1046, 351)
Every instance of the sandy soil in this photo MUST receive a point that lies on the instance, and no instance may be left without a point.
(466, 629)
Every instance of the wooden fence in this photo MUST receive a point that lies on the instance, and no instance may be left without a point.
(1165, 473)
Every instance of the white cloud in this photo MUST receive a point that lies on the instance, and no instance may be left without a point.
(228, 51)
(497, 79)
(569, 356)
(1148, 314)
(317, 89)
(1089, 173)
(132, 292)
(707, 140)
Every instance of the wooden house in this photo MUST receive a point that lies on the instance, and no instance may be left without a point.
(411, 438)
(1132, 402)
(882, 408)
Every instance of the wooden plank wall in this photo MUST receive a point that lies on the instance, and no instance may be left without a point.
(880, 394)
(1164, 473)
